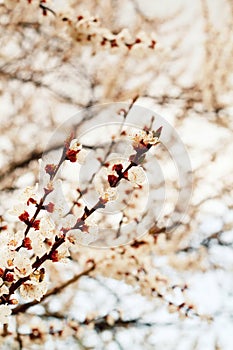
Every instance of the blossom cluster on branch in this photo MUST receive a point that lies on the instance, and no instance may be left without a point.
(48, 233)
(82, 27)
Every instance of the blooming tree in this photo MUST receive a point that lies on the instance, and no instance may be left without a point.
(106, 247)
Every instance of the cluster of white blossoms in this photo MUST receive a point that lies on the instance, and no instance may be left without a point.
(145, 137)
(102, 185)
(85, 27)
(81, 26)
(45, 229)
(17, 263)
(41, 222)
(108, 175)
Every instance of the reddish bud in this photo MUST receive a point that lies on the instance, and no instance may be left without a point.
(112, 179)
(137, 244)
(35, 334)
(50, 207)
(50, 169)
(71, 155)
(103, 42)
(27, 243)
(24, 216)
(48, 241)
(85, 228)
(9, 277)
(181, 305)
(152, 45)
(54, 256)
(65, 230)
(31, 200)
(1, 272)
(36, 225)
(129, 46)
(113, 43)
(118, 168)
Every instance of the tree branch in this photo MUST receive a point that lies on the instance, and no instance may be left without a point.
(53, 291)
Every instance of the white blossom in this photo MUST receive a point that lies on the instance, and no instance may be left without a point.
(75, 145)
(79, 237)
(6, 256)
(136, 175)
(37, 243)
(22, 263)
(69, 221)
(81, 156)
(29, 192)
(147, 137)
(47, 227)
(110, 194)
(18, 209)
(33, 290)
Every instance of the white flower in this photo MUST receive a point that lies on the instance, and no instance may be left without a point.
(150, 138)
(136, 175)
(6, 255)
(18, 209)
(33, 290)
(69, 221)
(22, 263)
(81, 156)
(29, 192)
(110, 194)
(73, 236)
(5, 312)
(75, 145)
(60, 204)
(47, 228)
(63, 253)
(147, 137)
(4, 239)
(16, 240)
(79, 237)
(37, 243)
(102, 185)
